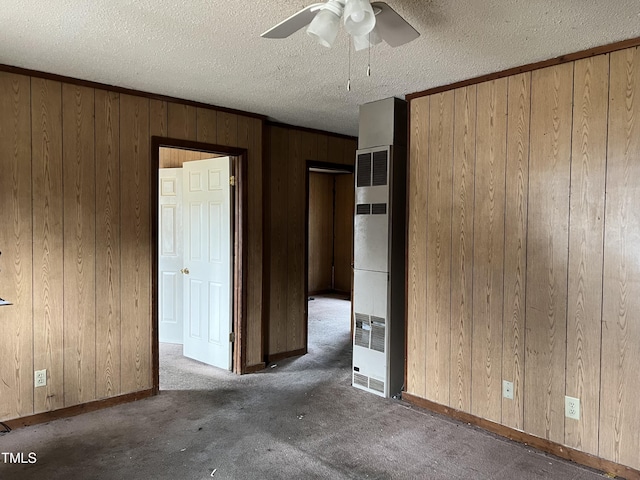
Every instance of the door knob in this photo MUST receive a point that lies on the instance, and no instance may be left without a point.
(185, 271)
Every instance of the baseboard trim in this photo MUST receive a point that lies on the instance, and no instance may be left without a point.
(320, 292)
(276, 357)
(342, 292)
(76, 409)
(255, 368)
(330, 292)
(545, 445)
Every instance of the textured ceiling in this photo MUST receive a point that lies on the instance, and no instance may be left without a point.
(211, 51)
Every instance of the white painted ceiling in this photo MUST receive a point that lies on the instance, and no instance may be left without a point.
(211, 51)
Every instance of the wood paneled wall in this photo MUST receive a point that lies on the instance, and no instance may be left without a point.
(343, 232)
(331, 199)
(16, 237)
(321, 234)
(76, 236)
(524, 233)
(288, 151)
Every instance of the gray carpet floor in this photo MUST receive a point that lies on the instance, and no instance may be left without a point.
(299, 419)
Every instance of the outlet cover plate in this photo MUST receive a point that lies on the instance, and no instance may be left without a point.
(572, 407)
(507, 389)
(40, 377)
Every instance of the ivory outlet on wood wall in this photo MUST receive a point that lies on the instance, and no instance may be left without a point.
(41, 378)
(572, 407)
(507, 389)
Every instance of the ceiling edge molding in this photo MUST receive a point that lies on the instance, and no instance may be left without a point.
(270, 123)
(125, 91)
(570, 57)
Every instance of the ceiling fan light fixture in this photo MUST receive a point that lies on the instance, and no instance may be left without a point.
(360, 43)
(368, 40)
(359, 18)
(324, 26)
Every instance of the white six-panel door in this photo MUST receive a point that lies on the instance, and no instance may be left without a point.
(207, 261)
(170, 259)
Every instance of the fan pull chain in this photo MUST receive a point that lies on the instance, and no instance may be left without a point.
(369, 64)
(349, 79)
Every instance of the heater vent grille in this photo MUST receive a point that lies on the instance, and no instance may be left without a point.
(370, 332)
(380, 162)
(363, 329)
(376, 385)
(363, 209)
(362, 380)
(379, 209)
(377, 333)
(363, 175)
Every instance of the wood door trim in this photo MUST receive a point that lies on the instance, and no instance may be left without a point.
(241, 259)
(239, 220)
(407, 206)
(337, 168)
(266, 239)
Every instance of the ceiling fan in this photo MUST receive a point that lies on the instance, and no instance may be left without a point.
(368, 23)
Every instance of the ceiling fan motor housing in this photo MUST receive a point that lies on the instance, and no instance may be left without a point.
(368, 23)
(334, 6)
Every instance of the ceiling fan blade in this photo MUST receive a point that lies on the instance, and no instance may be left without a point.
(393, 29)
(294, 23)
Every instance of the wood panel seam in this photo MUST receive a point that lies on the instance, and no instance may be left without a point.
(566, 336)
(526, 261)
(451, 214)
(64, 267)
(33, 396)
(504, 249)
(473, 249)
(95, 246)
(604, 233)
(120, 233)
(426, 249)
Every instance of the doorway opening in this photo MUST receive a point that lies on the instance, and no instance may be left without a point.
(198, 232)
(329, 255)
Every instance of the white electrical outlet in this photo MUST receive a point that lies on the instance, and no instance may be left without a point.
(41, 378)
(507, 389)
(572, 407)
